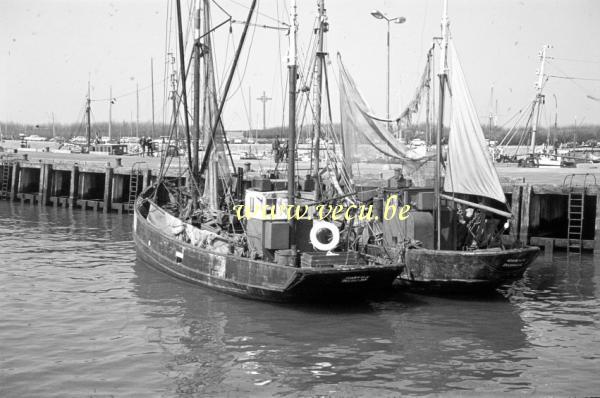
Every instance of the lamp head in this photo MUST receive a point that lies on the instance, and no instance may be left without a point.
(377, 14)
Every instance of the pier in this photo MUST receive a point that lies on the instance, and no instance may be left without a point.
(552, 208)
(106, 184)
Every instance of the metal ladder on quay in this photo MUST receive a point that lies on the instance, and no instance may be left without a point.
(135, 177)
(576, 212)
(5, 183)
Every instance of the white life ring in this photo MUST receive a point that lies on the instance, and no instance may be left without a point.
(335, 236)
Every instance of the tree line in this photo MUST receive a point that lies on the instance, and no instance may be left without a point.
(11, 130)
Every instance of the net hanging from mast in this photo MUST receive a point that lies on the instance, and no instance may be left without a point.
(366, 137)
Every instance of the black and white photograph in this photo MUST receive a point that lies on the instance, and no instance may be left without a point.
(299, 198)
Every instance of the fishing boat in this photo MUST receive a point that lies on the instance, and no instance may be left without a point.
(470, 197)
(200, 234)
(452, 238)
(532, 157)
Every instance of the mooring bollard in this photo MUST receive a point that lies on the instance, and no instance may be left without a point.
(25, 157)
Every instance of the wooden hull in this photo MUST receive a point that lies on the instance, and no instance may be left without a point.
(462, 271)
(251, 278)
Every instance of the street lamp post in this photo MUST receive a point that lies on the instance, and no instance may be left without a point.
(379, 15)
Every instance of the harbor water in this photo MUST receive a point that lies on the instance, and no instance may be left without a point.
(80, 317)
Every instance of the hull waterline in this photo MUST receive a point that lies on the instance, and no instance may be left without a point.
(255, 279)
(464, 271)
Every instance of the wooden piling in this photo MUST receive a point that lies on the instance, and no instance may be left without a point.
(45, 184)
(73, 186)
(108, 189)
(597, 226)
(14, 186)
(525, 210)
(517, 195)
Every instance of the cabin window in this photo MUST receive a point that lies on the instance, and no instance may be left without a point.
(270, 204)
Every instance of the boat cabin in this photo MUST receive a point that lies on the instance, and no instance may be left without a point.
(267, 219)
(109, 149)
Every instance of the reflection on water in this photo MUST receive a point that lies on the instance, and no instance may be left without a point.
(82, 317)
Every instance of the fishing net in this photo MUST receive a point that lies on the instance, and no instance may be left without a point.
(366, 138)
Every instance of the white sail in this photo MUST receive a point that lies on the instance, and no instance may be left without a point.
(470, 169)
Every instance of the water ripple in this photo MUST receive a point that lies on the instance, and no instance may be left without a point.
(81, 318)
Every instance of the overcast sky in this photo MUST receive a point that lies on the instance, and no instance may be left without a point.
(49, 49)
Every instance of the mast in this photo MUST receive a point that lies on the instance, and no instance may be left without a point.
(250, 111)
(183, 89)
(152, 85)
(438, 139)
(110, 104)
(539, 97)
(217, 117)
(318, 94)
(555, 118)
(174, 104)
(197, 55)
(88, 125)
(137, 110)
(429, 99)
(491, 115)
(292, 59)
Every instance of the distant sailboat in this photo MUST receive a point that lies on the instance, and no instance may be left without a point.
(533, 158)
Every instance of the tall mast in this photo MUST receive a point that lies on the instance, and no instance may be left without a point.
(539, 97)
(152, 85)
(491, 115)
(428, 101)
(292, 65)
(88, 124)
(137, 110)
(197, 54)
(183, 83)
(250, 111)
(174, 102)
(217, 117)
(318, 94)
(110, 104)
(555, 116)
(443, 74)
